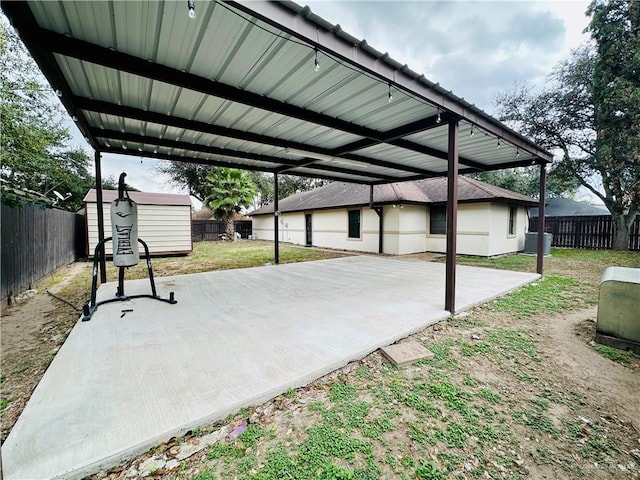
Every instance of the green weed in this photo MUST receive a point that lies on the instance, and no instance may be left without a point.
(491, 395)
(613, 354)
(428, 471)
(342, 391)
(549, 295)
(536, 421)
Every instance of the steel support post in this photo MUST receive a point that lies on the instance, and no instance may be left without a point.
(100, 209)
(452, 218)
(541, 217)
(276, 220)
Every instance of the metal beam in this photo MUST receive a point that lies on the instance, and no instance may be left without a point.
(218, 163)
(90, 52)
(452, 219)
(293, 20)
(106, 108)
(418, 126)
(541, 219)
(276, 162)
(191, 147)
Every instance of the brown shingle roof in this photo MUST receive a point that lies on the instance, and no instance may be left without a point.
(427, 191)
(141, 198)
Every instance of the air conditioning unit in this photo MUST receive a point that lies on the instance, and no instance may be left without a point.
(531, 243)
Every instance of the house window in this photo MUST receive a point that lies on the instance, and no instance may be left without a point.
(354, 223)
(438, 220)
(512, 220)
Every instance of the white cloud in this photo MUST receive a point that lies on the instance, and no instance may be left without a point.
(474, 48)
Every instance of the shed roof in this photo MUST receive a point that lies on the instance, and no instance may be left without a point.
(432, 191)
(141, 198)
(236, 86)
(564, 207)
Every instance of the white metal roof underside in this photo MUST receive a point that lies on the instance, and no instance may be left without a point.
(236, 86)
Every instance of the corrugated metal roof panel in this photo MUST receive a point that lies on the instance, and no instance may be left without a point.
(256, 75)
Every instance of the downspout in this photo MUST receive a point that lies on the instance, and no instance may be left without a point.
(541, 217)
(452, 218)
(100, 209)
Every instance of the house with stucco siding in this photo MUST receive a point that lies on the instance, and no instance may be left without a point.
(400, 218)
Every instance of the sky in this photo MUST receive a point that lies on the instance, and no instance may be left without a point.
(477, 49)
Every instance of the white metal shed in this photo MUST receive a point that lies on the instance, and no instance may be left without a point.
(164, 221)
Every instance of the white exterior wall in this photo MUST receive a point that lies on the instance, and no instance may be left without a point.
(474, 226)
(500, 241)
(391, 239)
(482, 230)
(164, 228)
(331, 227)
(412, 229)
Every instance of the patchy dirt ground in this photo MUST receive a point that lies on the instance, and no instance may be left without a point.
(504, 397)
(32, 331)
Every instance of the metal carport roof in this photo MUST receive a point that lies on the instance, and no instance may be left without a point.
(237, 86)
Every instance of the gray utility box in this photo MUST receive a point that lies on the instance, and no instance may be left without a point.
(531, 243)
(619, 309)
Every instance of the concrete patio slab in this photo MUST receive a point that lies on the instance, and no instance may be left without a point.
(121, 384)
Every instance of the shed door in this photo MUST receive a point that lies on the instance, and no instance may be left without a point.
(308, 229)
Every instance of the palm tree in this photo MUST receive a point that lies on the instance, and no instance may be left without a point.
(231, 190)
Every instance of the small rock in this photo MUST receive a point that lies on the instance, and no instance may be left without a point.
(462, 315)
(585, 420)
(101, 475)
(58, 339)
(171, 464)
(54, 350)
(188, 450)
(133, 473)
(468, 467)
(622, 467)
(151, 464)
(475, 337)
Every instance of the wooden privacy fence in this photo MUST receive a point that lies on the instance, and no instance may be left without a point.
(207, 230)
(35, 242)
(590, 232)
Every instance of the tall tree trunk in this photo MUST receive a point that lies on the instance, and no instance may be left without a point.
(621, 227)
(231, 234)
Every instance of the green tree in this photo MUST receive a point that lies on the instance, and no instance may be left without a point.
(562, 119)
(287, 186)
(615, 27)
(230, 190)
(526, 180)
(35, 157)
(193, 176)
